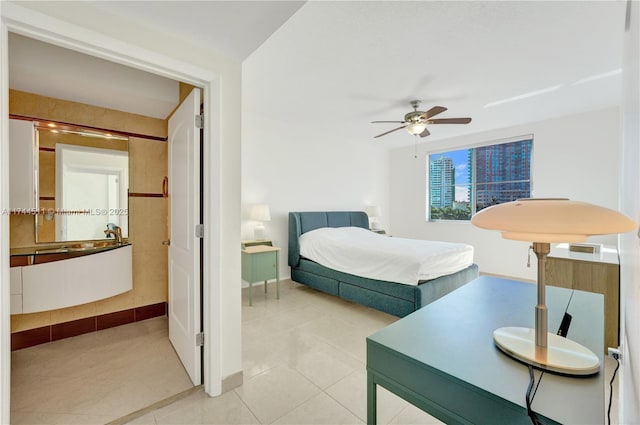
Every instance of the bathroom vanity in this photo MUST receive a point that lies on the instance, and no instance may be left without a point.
(52, 277)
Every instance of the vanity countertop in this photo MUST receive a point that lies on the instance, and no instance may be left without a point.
(46, 253)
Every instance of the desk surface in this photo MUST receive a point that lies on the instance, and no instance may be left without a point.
(443, 357)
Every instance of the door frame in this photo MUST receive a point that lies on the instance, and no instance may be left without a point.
(15, 18)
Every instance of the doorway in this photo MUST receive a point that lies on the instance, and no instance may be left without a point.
(90, 173)
(112, 50)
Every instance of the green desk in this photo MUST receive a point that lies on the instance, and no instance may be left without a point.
(442, 359)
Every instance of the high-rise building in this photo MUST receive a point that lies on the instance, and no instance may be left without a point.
(502, 173)
(441, 182)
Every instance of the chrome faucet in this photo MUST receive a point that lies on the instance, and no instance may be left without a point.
(116, 232)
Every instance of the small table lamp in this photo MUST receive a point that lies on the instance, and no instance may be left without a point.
(260, 213)
(543, 221)
(373, 211)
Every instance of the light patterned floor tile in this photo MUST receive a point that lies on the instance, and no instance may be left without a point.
(321, 409)
(411, 415)
(275, 392)
(351, 392)
(106, 374)
(33, 418)
(303, 363)
(199, 408)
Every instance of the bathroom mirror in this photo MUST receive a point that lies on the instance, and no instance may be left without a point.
(83, 182)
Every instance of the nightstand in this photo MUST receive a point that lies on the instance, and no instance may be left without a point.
(260, 263)
(254, 242)
(599, 273)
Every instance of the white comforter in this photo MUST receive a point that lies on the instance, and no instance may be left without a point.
(360, 252)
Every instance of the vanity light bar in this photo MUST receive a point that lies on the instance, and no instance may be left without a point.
(65, 129)
(86, 130)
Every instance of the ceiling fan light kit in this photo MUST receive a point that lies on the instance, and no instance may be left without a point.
(415, 128)
(416, 122)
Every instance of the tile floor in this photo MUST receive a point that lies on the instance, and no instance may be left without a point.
(303, 363)
(97, 377)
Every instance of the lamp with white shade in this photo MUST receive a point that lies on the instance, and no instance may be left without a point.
(543, 221)
(260, 213)
(373, 211)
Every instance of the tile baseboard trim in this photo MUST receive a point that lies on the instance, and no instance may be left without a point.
(42, 335)
(232, 381)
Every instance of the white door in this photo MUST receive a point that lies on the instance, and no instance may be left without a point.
(184, 249)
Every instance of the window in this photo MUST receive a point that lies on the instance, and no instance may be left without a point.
(464, 181)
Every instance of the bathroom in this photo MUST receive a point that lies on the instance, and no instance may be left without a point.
(146, 229)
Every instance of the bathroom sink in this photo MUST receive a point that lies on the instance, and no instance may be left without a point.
(51, 251)
(82, 246)
(104, 243)
(88, 246)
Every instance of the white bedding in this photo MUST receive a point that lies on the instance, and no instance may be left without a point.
(360, 252)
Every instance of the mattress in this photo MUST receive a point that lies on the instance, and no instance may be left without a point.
(360, 252)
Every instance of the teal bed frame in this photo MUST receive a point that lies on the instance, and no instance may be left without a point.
(393, 298)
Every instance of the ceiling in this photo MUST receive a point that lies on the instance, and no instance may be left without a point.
(348, 63)
(232, 28)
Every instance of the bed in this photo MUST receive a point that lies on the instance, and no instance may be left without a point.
(391, 297)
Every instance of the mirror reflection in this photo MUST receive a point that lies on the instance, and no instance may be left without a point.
(83, 181)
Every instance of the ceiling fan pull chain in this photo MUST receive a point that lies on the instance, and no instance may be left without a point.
(415, 146)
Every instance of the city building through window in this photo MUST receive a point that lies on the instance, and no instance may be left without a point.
(462, 182)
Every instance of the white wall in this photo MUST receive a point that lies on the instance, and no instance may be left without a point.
(574, 157)
(296, 162)
(291, 171)
(629, 242)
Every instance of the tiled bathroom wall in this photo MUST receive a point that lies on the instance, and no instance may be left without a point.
(147, 213)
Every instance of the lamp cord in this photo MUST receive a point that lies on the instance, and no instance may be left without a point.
(529, 398)
(615, 356)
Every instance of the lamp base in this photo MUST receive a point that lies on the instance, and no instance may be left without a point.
(561, 355)
(259, 233)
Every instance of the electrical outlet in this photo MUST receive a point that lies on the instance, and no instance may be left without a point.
(614, 353)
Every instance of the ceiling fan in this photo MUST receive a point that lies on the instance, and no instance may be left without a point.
(416, 121)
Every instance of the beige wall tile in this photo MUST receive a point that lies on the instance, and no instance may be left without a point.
(46, 108)
(147, 216)
(118, 303)
(46, 227)
(150, 275)
(147, 165)
(148, 223)
(22, 322)
(72, 313)
(22, 231)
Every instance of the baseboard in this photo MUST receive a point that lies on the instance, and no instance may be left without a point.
(232, 381)
(49, 333)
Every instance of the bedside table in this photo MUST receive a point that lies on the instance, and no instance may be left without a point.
(254, 242)
(260, 263)
(599, 273)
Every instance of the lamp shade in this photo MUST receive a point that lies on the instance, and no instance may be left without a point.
(551, 220)
(260, 212)
(373, 211)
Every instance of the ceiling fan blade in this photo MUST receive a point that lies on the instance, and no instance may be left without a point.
(425, 133)
(397, 122)
(450, 121)
(390, 131)
(434, 111)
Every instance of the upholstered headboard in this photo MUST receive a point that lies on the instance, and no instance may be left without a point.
(302, 222)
